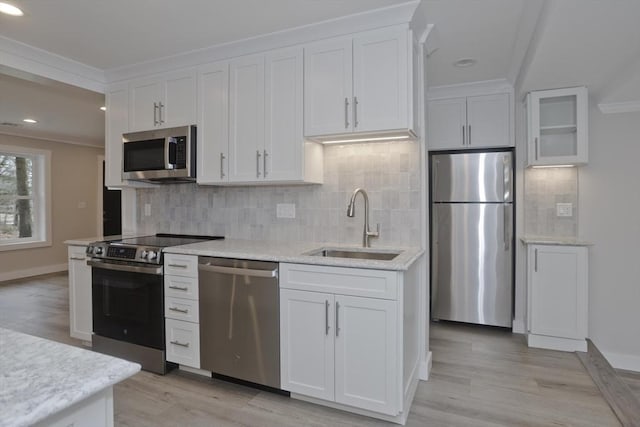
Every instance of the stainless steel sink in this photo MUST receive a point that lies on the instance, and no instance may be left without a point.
(354, 254)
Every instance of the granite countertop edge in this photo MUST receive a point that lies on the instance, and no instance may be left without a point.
(296, 253)
(550, 240)
(42, 377)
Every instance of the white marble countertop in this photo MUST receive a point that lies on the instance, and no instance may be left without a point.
(39, 378)
(550, 240)
(295, 253)
(86, 240)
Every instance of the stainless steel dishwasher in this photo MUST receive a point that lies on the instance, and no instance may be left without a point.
(240, 319)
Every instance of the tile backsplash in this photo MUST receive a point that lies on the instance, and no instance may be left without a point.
(388, 171)
(543, 188)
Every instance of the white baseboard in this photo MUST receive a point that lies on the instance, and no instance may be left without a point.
(425, 367)
(30, 272)
(628, 362)
(555, 343)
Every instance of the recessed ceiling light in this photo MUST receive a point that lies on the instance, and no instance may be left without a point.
(103, 108)
(10, 9)
(465, 62)
(29, 121)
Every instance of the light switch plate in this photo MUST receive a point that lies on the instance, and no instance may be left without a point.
(564, 209)
(285, 210)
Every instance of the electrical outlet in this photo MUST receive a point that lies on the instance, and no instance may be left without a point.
(82, 205)
(564, 209)
(147, 209)
(285, 210)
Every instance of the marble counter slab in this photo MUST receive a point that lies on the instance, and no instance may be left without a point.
(86, 240)
(39, 378)
(293, 252)
(547, 240)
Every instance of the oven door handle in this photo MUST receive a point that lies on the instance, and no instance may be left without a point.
(157, 270)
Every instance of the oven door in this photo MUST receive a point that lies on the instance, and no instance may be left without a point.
(128, 303)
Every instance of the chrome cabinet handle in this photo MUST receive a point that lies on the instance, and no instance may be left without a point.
(155, 114)
(355, 111)
(346, 113)
(177, 265)
(464, 142)
(469, 135)
(535, 262)
(78, 259)
(160, 108)
(179, 288)
(326, 317)
(337, 319)
(264, 163)
(258, 163)
(179, 310)
(181, 344)
(222, 165)
(535, 141)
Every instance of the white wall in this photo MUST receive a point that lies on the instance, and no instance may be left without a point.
(610, 218)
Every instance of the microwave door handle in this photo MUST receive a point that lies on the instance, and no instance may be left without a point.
(169, 156)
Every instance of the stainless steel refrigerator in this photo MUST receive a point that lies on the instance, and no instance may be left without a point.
(472, 237)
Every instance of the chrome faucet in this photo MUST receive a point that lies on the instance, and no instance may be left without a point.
(366, 233)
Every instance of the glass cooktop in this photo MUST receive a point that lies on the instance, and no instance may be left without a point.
(163, 240)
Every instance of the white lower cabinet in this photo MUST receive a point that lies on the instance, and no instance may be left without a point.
(341, 341)
(181, 310)
(80, 313)
(558, 291)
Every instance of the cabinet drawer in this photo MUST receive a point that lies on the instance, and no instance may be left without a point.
(181, 309)
(181, 287)
(183, 342)
(181, 265)
(339, 280)
(77, 253)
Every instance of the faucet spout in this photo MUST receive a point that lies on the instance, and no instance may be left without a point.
(366, 233)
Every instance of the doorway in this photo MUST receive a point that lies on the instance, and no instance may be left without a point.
(111, 209)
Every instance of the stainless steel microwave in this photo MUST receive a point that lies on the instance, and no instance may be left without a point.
(160, 156)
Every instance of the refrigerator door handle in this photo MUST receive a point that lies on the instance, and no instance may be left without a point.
(507, 226)
(506, 177)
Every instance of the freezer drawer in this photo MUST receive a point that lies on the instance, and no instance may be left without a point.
(472, 177)
(471, 272)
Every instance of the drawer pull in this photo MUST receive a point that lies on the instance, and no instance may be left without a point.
(179, 310)
(181, 344)
(179, 288)
(78, 259)
(177, 265)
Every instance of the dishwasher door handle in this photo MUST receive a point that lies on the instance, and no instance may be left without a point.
(238, 271)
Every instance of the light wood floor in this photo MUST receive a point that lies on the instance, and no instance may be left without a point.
(480, 377)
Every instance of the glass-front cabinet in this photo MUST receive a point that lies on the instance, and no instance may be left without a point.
(557, 121)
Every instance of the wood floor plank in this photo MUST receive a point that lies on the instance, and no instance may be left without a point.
(481, 377)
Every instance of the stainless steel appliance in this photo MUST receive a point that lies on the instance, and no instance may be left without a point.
(240, 319)
(472, 237)
(128, 297)
(160, 156)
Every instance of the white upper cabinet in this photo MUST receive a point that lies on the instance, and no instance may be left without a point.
(246, 118)
(116, 123)
(558, 127)
(469, 122)
(161, 102)
(213, 123)
(359, 84)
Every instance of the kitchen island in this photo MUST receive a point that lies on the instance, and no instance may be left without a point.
(45, 383)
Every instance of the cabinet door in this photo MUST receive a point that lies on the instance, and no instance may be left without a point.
(328, 87)
(366, 363)
(380, 81)
(213, 123)
(178, 101)
(246, 118)
(282, 154)
(80, 314)
(558, 126)
(116, 123)
(183, 342)
(307, 343)
(447, 120)
(488, 121)
(144, 104)
(558, 291)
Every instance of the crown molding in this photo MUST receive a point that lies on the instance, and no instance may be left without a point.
(484, 87)
(342, 26)
(49, 136)
(619, 107)
(37, 61)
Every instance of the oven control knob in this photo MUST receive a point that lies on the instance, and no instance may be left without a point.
(152, 255)
(143, 254)
(89, 250)
(98, 250)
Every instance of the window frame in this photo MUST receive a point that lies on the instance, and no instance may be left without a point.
(41, 160)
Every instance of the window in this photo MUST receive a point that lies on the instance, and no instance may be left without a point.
(25, 219)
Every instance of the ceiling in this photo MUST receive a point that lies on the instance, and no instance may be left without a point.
(534, 44)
